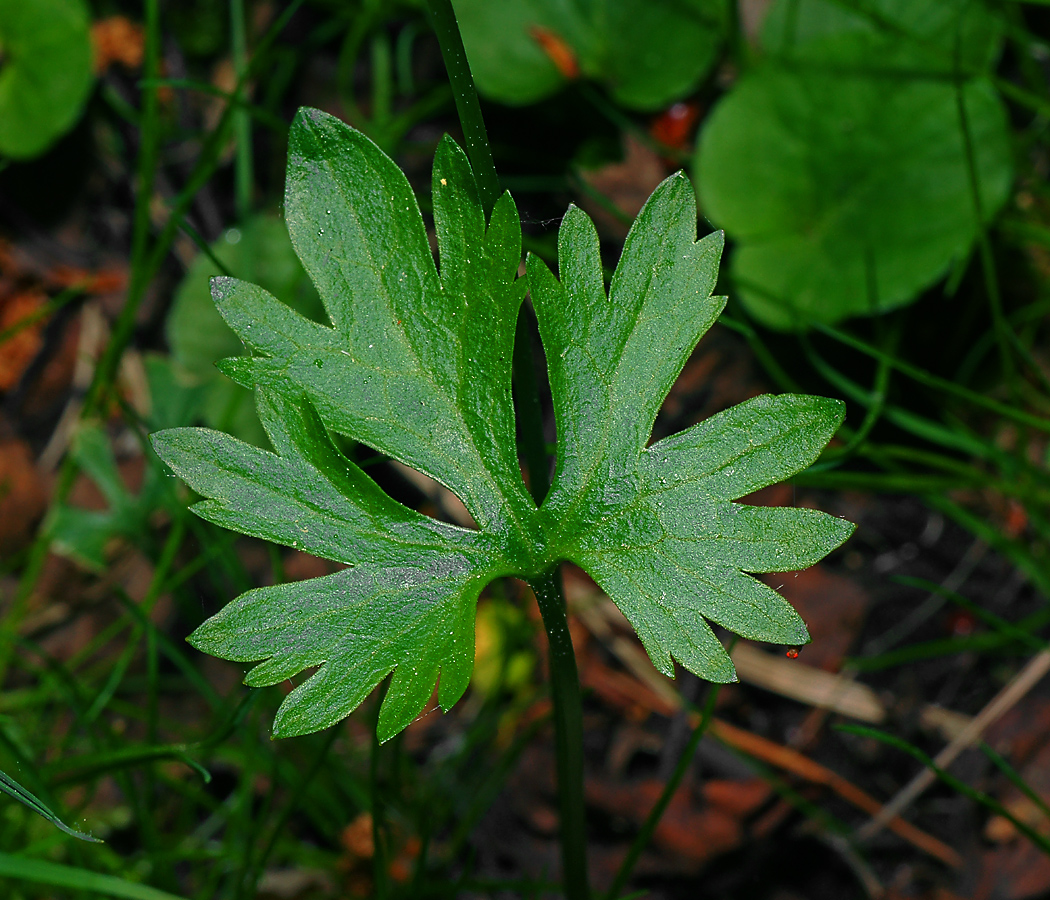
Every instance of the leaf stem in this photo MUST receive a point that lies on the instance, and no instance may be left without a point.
(565, 682)
(379, 862)
(242, 121)
(568, 732)
(443, 21)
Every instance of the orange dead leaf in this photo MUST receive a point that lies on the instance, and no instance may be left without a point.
(10, 266)
(401, 865)
(620, 686)
(357, 837)
(559, 52)
(102, 281)
(792, 761)
(17, 315)
(117, 40)
(1016, 518)
(22, 494)
(738, 798)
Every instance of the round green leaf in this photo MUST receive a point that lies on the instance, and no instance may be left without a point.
(848, 194)
(260, 252)
(913, 37)
(45, 72)
(646, 53)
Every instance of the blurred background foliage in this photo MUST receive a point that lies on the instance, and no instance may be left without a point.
(880, 170)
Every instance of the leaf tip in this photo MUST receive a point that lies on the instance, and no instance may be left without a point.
(447, 144)
(292, 720)
(846, 528)
(197, 639)
(673, 184)
(310, 115)
(833, 407)
(314, 135)
(238, 369)
(207, 637)
(801, 635)
(221, 288)
(838, 408)
(278, 732)
(723, 674)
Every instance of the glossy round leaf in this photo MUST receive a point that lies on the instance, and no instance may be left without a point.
(847, 195)
(840, 165)
(912, 37)
(45, 72)
(648, 53)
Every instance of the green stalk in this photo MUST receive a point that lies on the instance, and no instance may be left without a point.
(255, 870)
(565, 682)
(242, 122)
(379, 858)
(568, 732)
(935, 381)
(443, 21)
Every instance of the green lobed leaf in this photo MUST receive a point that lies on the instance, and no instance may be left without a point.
(45, 75)
(416, 364)
(406, 600)
(648, 55)
(655, 526)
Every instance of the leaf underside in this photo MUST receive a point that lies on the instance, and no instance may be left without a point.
(415, 363)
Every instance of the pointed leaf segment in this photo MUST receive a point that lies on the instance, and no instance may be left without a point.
(416, 364)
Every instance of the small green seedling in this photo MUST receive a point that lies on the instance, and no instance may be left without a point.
(85, 535)
(417, 365)
(259, 250)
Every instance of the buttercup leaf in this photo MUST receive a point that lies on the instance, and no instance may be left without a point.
(416, 363)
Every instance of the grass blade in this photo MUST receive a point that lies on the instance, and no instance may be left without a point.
(954, 783)
(77, 878)
(13, 789)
